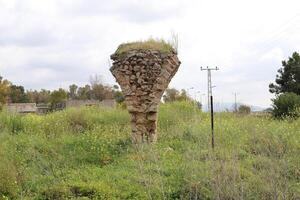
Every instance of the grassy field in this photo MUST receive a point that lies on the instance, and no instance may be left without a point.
(87, 154)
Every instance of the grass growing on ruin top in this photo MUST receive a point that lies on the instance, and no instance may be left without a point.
(159, 45)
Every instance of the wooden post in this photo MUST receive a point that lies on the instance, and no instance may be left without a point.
(212, 122)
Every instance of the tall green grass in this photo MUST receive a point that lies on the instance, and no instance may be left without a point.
(152, 44)
(87, 154)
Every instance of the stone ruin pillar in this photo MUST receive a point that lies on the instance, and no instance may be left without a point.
(143, 76)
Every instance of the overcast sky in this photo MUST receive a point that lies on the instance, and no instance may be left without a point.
(54, 43)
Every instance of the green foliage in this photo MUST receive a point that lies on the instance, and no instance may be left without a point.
(244, 109)
(286, 105)
(288, 78)
(4, 91)
(57, 97)
(88, 154)
(8, 177)
(119, 97)
(95, 91)
(42, 96)
(84, 92)
(153, 44)
(172, 94)
(12, 123)
(73, 91)
(17, 94)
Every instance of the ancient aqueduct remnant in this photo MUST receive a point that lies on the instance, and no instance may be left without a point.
(143, 75)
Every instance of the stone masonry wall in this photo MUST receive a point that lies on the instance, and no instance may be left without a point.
(143, 76)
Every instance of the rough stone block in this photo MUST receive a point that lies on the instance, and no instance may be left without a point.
(143, 76)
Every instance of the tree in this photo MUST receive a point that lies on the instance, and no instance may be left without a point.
(4, 90)
(44, 96)
(37, 97)
(286, 105)
(57, 97)
(183, 96)
(99, 91)
(288, 77)
(96, 80)
(244, 109)
(84, 93)
(268, 110)
(73, 91)
(172, 94)
(17, 94)
(119, 97)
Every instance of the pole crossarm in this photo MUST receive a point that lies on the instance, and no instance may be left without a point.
(209, 85)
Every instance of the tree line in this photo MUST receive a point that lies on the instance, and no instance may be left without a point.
(96, 90)
(285, 104)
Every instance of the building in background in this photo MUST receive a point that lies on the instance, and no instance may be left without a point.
(25, 108)
(79, 103)
(22, 108)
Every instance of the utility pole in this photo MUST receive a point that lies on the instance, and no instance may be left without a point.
(210, 103)
(209, 85)
(235, 101)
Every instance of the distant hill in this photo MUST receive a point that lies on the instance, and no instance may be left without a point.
(221, 107)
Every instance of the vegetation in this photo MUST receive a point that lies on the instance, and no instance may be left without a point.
(286, 105)
(159, 45)
(88, 154)
(42, 96)
(4, 90)
(288, 78)
(244, 109)
(287, 89)
(17, 94)
(58, 96)
(97, 90)
(172, 94)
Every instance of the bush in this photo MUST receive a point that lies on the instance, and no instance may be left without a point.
(286, 105)
(11, 122)
(244, 109)
(78, 120)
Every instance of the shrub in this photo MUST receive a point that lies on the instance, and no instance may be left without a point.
(244, 109)
(11, 122)
(77, 120)
(286, 105)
